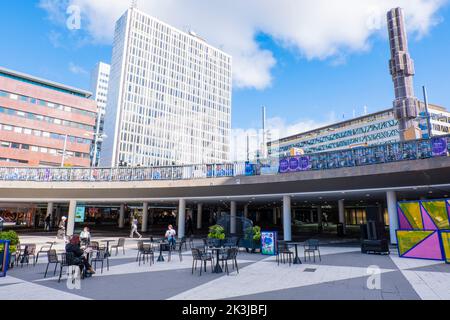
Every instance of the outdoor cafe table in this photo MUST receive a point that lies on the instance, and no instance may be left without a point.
(217, 268)
(296, 258)
(107, 246)
(161, 245)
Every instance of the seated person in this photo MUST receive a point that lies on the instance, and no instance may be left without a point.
(79, 255)
(85, 236)
(170, 235)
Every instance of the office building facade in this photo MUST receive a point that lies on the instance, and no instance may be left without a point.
(99, 88)
(372, 129)
(169, 99)
(40, 119)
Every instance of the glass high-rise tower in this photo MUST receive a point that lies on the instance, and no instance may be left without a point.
(169, 96)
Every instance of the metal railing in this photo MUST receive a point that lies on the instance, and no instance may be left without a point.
(361, 156)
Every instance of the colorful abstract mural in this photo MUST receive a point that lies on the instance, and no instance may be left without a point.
(445, 235)
(424, 229)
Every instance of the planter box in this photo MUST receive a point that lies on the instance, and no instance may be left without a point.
(250, 245)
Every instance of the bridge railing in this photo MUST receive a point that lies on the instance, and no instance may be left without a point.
(361, 156)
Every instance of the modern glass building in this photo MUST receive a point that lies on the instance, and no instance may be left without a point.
(99, 88)
(43, 123)
(169, 99)
(372, 129)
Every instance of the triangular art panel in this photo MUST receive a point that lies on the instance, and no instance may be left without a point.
(429, 248)
(437, 211)
(412, 212)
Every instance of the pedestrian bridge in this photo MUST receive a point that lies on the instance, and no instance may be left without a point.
(381, 173)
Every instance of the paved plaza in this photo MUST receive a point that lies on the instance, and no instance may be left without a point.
(342, 274)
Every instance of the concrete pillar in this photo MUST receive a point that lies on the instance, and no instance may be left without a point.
(181, 218)
(287, 227)
(144, 217)
(199, 215)
(151, 214)
(341, 206)
(246, 211)
(50, 209)
(71, 218)
(275, 216)
(393, 217)
(122, 216)
(233, 217)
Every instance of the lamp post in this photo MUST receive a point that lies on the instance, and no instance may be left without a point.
(63, 158)
(99, 137)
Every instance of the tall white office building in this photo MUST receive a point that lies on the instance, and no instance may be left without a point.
(99, 88)
(169, 99)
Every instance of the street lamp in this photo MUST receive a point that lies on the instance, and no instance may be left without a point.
(63, 158)
(99, 137)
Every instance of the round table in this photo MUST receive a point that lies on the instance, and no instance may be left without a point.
(107, 246)
(161, 245)
(217, 267)
(296, 258)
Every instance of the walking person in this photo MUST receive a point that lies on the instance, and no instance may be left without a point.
(134, 228)
(62, 229)
(47, 223)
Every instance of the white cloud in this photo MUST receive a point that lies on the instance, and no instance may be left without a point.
(315, 29)
(277, 128)
(75, 69)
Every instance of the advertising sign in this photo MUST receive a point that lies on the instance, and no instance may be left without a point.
(80, 214)
(439, 147)
(269, 243)
(249, 169)
(295, 164)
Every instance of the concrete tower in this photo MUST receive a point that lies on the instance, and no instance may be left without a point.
(401, 66)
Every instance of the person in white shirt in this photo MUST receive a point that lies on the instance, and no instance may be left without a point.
(170, 235)
(85, 236)
(134, 228)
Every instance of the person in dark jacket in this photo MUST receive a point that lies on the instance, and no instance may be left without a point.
(79, 258)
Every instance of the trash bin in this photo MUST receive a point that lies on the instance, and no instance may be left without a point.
(340, 229)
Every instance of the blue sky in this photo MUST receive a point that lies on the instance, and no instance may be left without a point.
(302, 89)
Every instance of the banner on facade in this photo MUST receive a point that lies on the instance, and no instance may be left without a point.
(439, 147)
(295, 164)
(80, 214)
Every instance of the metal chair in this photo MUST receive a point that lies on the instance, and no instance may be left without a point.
(312, 245)
(120, 244)
(146, 252)
(100, 256)
(44, 249)
(27, 251)
(67, 260)
(198, 255)
(52, 258)
(230, 254)
(283, 251)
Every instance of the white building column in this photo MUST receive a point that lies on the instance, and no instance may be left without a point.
(50, 213)
(122, 216)
(199, 215)
(233, 217)
(341, 205)
(393, 217)
(71, 218)
(287, 224)
(144, 217)
(275, 216)
(181, 218)
(50, 209)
